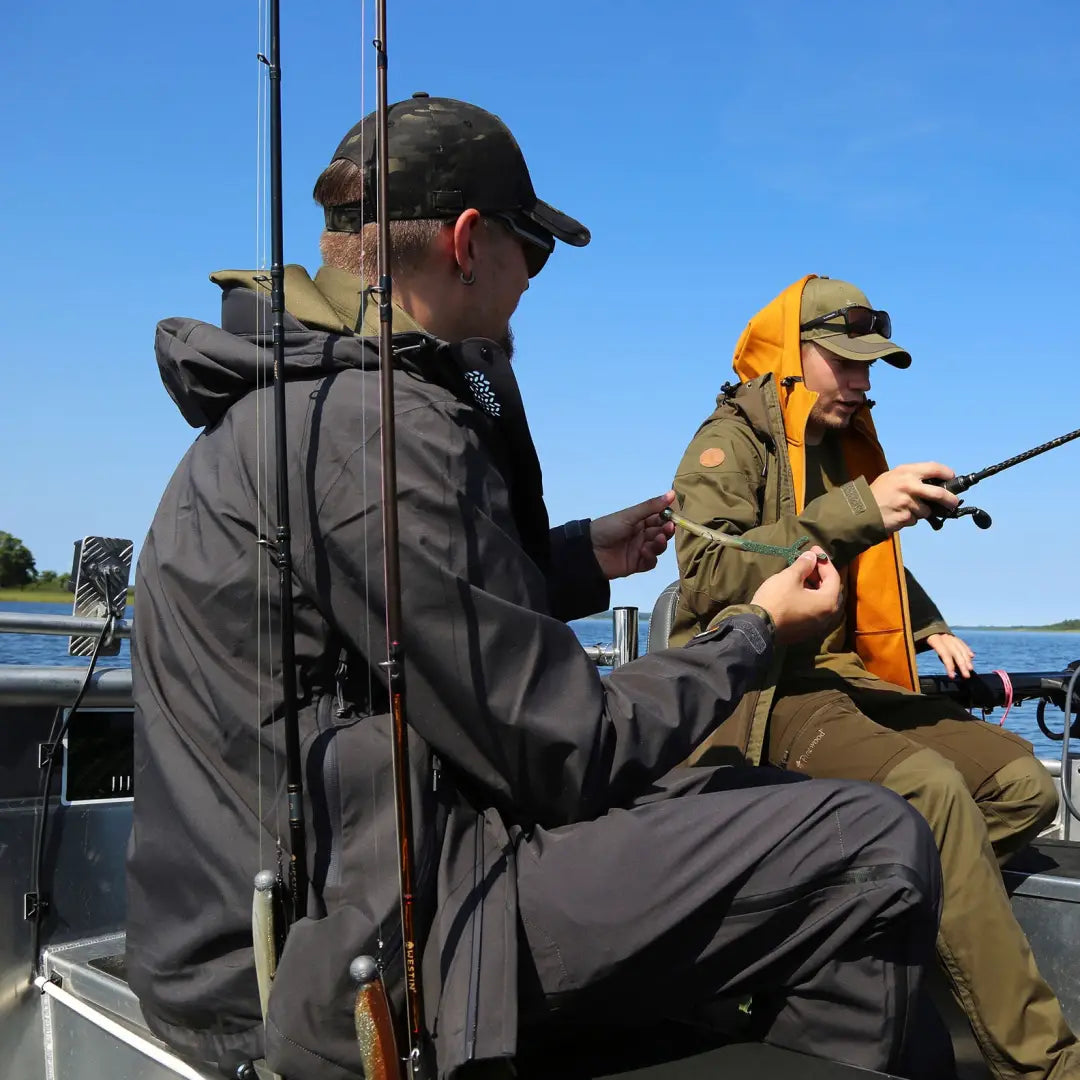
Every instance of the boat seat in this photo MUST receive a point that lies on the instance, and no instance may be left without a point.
(92, 970)
(663, 615)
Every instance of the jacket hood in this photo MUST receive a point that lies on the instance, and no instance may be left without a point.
(206, 368)
(771, 345)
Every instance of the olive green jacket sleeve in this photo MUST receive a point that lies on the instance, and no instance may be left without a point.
(926, 620)
(744, 494)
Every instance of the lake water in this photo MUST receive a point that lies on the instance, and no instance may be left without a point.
(1011, 650)
(48, 648)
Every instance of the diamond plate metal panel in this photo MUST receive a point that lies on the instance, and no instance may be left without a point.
(101, 573)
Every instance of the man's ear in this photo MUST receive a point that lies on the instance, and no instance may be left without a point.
(465, 241)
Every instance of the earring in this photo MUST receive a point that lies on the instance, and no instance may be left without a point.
(470, 280)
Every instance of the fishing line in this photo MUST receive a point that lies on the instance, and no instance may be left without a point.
(259, 419)
(297, 886)
(263, 563)
(273, 672)
(379, 943)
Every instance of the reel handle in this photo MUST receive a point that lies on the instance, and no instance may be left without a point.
(958, 484)
(981, 518)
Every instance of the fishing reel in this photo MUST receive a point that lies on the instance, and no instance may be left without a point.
(958, 484)
(981, 518)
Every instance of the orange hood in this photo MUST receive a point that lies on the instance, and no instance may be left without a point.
(878, 620)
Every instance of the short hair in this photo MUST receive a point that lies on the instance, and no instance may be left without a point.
(342, 182)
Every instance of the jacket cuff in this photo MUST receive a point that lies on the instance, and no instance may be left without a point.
(576, 585)
(938, 626)
(752, 621)
(743, 609)
(852, 515)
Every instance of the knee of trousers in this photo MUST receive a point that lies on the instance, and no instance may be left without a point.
(933, 785)
(893, 832)
(1023, 794)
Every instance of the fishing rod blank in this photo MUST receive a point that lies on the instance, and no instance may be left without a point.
(959, 484)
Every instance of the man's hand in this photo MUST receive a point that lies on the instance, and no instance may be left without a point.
(804, 600)
(631, 540)
(903, 498)
(955, 654)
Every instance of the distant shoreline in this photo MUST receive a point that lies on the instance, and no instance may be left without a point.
(38, 596)
(46, 596)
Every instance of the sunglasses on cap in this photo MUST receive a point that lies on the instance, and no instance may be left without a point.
(537, 243)
(858, 321)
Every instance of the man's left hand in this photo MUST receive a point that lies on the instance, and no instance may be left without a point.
(955, 654)
(631, 540)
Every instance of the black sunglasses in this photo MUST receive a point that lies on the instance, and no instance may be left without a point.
(536, 242)
(858, 321)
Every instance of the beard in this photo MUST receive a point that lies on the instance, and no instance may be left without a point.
(824, 420)
(506, 342)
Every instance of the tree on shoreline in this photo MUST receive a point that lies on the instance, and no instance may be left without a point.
(16, 563)
(18, 569)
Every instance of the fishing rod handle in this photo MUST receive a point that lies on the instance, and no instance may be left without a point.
(957, 485)
(373, 1022)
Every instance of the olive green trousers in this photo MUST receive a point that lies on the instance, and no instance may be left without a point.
(984, 796)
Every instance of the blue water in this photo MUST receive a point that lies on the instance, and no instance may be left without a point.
(47, 648)
(1011, 650)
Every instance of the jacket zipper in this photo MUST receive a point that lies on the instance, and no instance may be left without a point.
(331, 776)
(332, 793)
(477, 921)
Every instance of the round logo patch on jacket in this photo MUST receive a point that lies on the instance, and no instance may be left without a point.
(712, 457)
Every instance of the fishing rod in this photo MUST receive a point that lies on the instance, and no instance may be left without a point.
(281, 547)
(959, 484)
(372, 1019)
(988, 690)
(394, 665)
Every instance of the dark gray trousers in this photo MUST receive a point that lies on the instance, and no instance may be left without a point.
(820, 898)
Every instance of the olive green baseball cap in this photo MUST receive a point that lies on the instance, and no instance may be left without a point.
(821, 297)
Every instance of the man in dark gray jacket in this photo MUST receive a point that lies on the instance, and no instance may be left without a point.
(566, 869)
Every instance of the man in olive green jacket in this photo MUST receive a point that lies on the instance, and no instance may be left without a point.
(791, 452)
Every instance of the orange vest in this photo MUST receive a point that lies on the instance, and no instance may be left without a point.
(878, 621)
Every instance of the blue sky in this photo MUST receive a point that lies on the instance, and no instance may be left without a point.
(718, 152)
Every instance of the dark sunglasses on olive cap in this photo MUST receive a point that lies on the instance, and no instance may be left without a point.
(839, 318)
(858, 321)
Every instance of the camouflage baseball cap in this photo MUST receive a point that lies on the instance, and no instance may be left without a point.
(824, 296)
(447, 156)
